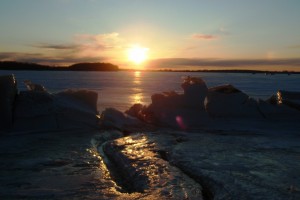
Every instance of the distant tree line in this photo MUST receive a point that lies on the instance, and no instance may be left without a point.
(94, 67)
(13, 65)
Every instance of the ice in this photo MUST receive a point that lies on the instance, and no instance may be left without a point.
(228, 102)
(181, 146)
(8, 91)
(41, 110)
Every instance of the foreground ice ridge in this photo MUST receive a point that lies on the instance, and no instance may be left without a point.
(140, 167)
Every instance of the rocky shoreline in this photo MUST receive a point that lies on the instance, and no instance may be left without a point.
(207, 143)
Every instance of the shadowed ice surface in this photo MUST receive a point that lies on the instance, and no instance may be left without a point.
(52, 165)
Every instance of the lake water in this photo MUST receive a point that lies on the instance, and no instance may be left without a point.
(122, 89)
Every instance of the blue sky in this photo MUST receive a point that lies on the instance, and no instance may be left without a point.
(197, 31)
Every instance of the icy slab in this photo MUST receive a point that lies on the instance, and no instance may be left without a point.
(8, 91)
(278, 111)
(288, 98)
(40, 110)
(34, 87)
(114, 119)
(195, 91)
(228, 102)
(242, 166)
(86, 98)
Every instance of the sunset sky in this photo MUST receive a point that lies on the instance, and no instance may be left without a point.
(175, 34)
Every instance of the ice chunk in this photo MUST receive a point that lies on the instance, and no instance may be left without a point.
(8, 90)
(35, 110)
(227, 101)
(40, 110)
(86, 97)
(34, 87)
(112, 118)
(291, 99)
(277, 111)
(195, 91)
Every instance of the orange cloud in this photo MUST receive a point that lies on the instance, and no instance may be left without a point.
(200, 36)
(82, 48)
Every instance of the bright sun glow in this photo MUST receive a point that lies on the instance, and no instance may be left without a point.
(137, 54)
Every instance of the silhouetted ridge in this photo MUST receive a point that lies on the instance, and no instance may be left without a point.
(13, 65)
(94, 67)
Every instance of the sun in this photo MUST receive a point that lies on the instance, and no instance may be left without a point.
(137, 54)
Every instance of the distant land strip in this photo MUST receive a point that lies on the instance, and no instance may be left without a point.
(13, 65)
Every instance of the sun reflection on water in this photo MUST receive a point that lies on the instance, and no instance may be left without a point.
(137, 74)
(137, 78)
(137, 97)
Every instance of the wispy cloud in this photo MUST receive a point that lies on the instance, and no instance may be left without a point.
(82, 48)
(200, 36)
(17, 55)
(46, 59)
(57, 46)
(101, 41)
(82, 42)
(223, 31)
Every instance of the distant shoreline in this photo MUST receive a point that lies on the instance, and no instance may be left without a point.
(220, 71)
(20, 66)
